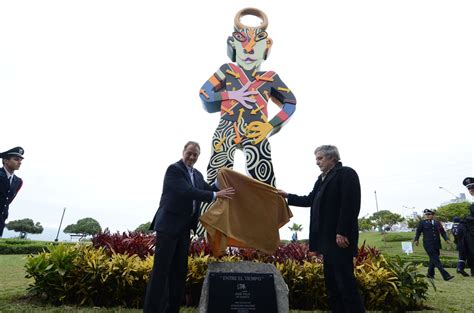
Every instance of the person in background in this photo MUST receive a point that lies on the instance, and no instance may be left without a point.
(432, 230)
(468, 182)
(10, 184)
(334, 228)
(184, 189)
(466, 232)
(456, 229)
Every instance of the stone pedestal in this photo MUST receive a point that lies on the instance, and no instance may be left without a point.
(240, 281)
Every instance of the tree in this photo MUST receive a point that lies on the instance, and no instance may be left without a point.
(24, 227)
(446, 213)
(295, 228)
(144, 228)
(365, 224)
(386, 218)
(84, 227)
(412, 222)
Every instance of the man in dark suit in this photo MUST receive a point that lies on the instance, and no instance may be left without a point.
(333, 229)
(10, 184)
(184, 189)
(431, 230)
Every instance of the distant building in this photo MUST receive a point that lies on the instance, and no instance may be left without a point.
(460, 199)
(401, 227)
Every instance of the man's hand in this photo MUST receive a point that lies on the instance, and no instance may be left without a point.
(243, 96)
(282, 193)
(342, 241)
(226, 193)
(258, 130)
(416, 242)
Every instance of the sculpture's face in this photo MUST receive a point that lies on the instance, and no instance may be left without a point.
(251, 45)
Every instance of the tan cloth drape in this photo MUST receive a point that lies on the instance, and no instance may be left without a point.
(251, 219)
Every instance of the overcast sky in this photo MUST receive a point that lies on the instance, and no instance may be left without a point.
(102, 95)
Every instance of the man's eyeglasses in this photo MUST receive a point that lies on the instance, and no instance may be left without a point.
(428, 214)
(470, 187)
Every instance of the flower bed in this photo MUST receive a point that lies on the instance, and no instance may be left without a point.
(100, 276)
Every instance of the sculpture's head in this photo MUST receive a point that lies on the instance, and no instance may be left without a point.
(249, 46)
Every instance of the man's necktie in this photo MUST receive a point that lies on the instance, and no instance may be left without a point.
(191, 174)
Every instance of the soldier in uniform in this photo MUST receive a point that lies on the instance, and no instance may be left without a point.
(432, 229)
(457, 230)
(468, 182)
(10, 184)
(466, 232)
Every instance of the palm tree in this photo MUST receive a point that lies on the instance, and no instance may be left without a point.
(295, 228)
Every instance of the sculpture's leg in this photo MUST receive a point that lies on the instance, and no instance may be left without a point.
(223, 149)
(258, 161)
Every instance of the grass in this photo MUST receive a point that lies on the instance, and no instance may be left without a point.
(394, 248)
(452, 296)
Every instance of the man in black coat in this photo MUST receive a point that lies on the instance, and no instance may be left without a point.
(334, 230)
(10, 184)
(431, 230)
(184, 189)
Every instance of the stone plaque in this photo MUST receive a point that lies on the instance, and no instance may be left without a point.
(241, 293)
(243, 287)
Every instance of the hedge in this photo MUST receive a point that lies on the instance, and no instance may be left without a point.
(25, 246)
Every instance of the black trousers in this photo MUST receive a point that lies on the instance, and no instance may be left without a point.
(462, 259)
(2, 222)
(165, 289)
(435, 262)
(343, 291)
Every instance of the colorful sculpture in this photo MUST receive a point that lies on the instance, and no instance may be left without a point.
(240, 92)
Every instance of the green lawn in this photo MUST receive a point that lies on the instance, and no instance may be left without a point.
(452, 296)
(375, 239)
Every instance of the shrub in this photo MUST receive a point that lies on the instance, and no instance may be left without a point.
(130, 243)
(199, 246)
(23, 246)
(305, 282)
(85, 275)
(21, 249)
(53, 273)
(411, 285)
(395, 237)
(450, 262)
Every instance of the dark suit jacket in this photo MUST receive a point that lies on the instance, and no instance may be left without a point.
(8, 192)
(431, 234)
(335, 206)
(174, 215)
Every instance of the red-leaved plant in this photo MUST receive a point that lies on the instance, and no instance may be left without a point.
(365, 253)
(143, 245)
(130, 242)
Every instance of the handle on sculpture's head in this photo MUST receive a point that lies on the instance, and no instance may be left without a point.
(250, 11)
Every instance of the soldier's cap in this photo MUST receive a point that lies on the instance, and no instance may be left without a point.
(428, 211)
(468, 182)
(17, 151)
(456, 219)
